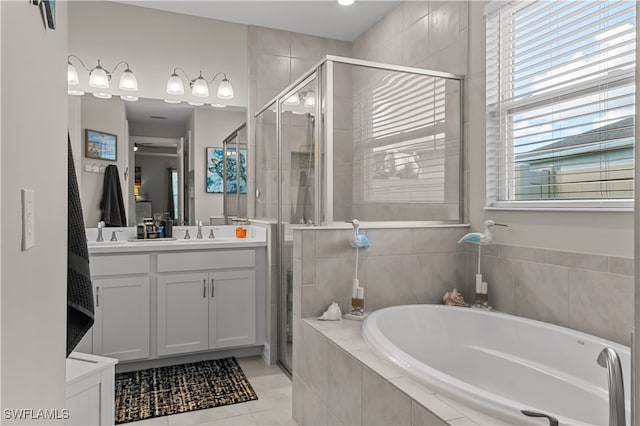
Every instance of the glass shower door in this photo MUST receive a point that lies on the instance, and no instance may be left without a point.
(297, 192)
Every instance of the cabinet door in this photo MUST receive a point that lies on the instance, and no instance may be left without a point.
(183, 313)
(232, 309)
(121, 328)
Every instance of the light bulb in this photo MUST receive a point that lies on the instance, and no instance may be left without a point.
(128, 81)
(345, 2)
(293, 99)
(200, 87)
(72, 75)
(310, 100)
(225, 90)
(102, 95)
(98, 77)
(174, 85)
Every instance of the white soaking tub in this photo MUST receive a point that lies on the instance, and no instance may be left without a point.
(500, 364)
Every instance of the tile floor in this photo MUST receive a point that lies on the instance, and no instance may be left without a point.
(272, 408)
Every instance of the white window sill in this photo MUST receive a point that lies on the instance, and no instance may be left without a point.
(620, 206)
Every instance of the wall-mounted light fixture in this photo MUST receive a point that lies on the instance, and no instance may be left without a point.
(345, 2)
(99, 78)
(199, 85)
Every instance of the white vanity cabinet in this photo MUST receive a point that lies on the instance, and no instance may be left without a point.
(121, 298)
(213, 309)
(183, 313)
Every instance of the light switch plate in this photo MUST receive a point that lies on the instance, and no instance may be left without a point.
(28, 219)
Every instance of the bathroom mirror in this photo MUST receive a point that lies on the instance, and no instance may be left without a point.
(161, 155)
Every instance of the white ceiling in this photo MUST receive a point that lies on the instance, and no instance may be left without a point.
(324, 18)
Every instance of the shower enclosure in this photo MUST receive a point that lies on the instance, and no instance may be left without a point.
(356, 139)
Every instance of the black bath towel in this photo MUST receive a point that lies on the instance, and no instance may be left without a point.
(79, 290)
(112, 204)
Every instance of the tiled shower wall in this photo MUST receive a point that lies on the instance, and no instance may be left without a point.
(586, 292)
(402, 266)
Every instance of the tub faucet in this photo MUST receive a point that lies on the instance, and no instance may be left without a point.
(609, 359)
(199, 236)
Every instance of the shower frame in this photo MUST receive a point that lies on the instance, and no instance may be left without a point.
(323, 73)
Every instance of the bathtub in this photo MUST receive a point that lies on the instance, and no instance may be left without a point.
(499, 364)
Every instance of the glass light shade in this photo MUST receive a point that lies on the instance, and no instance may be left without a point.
(72, 75)
(174, 85)
(98, 78)
(293, 99)
(225, 90)
(195, 103)
(310, 100)
(128, 98)
(345, 2)
(218, 105)
(75, 92)
(135, 148)
(172, 101)
(128, 81)
(200, 87)
(102, 95)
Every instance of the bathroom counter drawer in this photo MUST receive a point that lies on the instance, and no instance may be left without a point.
(120, 265)
(206, 260)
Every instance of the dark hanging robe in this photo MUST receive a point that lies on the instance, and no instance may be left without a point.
(79, 290)
(112, 204)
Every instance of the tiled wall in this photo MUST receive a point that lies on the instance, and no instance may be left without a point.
(277, 58)
(402, 266)
(586, 292)
(421, 34)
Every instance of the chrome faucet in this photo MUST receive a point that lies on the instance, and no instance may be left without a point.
(100, 226)
(609, 359)
(211, 234)
(199, 236)
(186, 234)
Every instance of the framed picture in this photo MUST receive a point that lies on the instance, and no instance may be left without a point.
(100, 145)
(215, 171)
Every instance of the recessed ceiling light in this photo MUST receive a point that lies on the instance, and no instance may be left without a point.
(171, 101)
(345, 2)
(218, 105)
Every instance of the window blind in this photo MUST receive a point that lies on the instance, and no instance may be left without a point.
(560, 101)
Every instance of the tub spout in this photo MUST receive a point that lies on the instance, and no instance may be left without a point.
(609, 359)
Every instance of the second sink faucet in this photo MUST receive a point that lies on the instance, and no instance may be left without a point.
(199, 236)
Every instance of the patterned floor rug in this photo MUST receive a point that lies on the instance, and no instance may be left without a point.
(176, 389)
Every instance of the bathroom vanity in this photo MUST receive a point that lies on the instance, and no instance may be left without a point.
(158, 299)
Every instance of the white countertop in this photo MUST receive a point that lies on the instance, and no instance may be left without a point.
(225, 239)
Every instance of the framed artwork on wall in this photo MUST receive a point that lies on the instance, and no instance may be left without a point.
(100, 145)
(215, 171)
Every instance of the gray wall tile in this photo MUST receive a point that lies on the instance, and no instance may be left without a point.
(621, 265)
(542, 292)
(420, 416)
(523, 253)
(389, 241)
(593, 262)
(500, 277)
(393, 280)
(382, 403)
(437, 240)
(601, 304)
(345, 382)
(313, 367)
